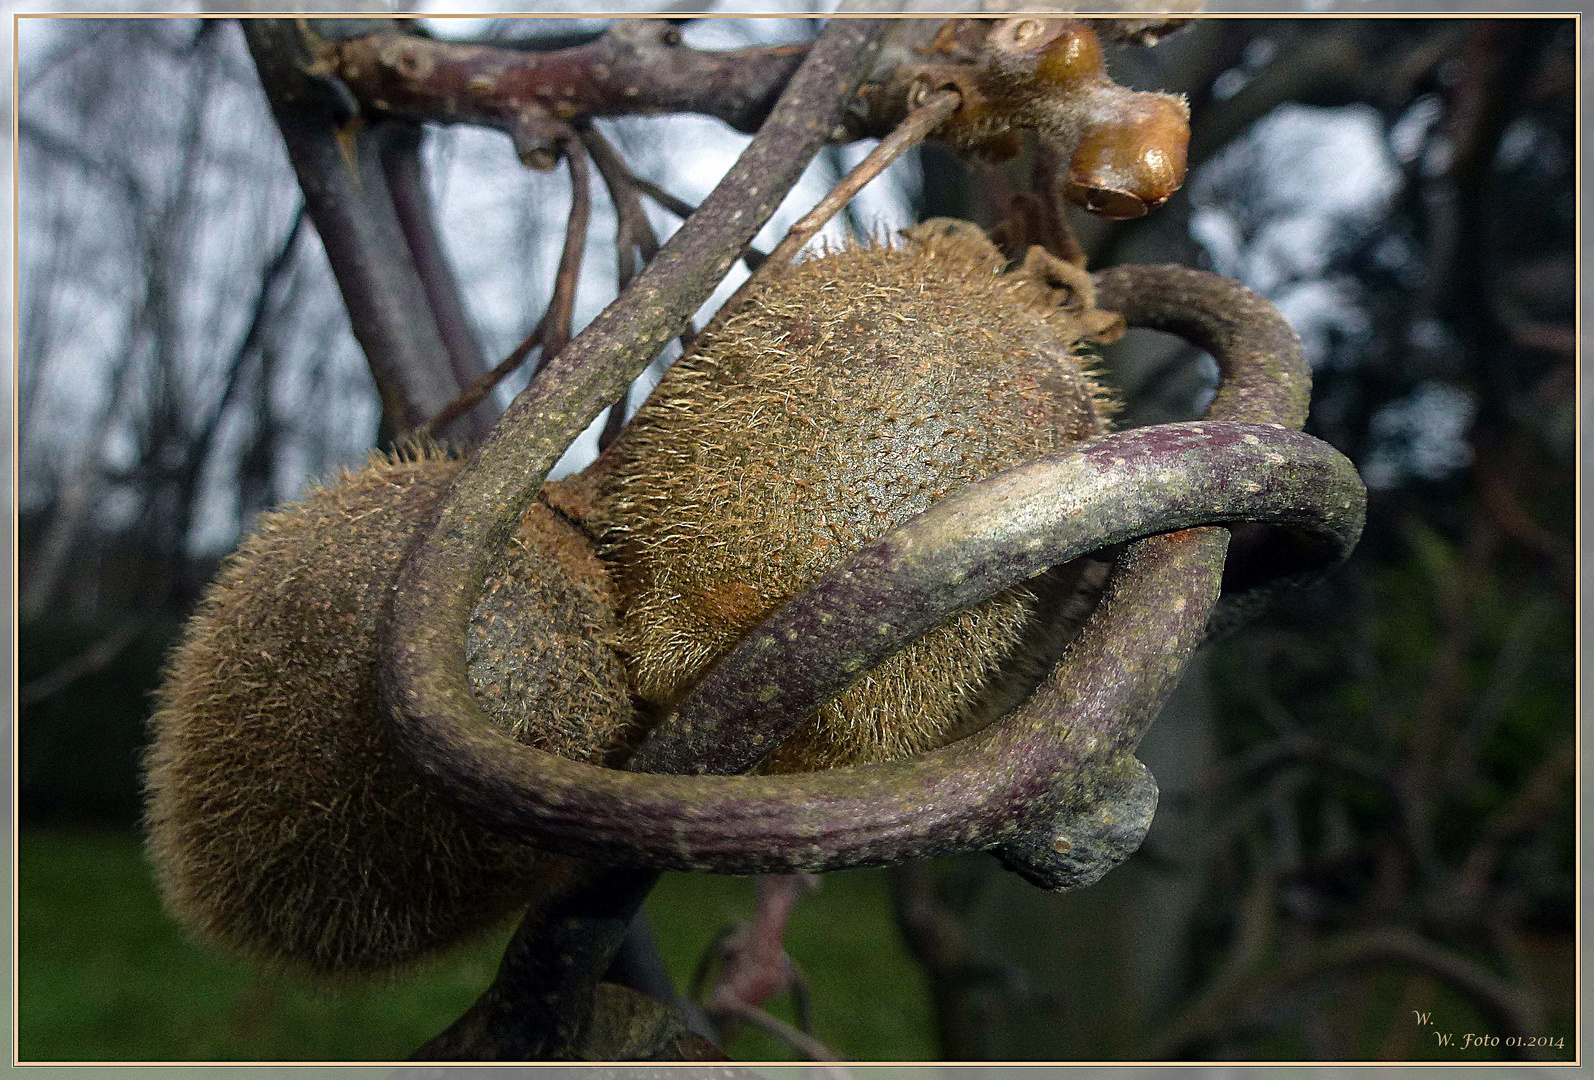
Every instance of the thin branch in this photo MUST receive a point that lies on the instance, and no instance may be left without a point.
(806, 1044)
(1505, 512)
(679, 207)
(634, 239)
(553, 331)
(633, 232)
(1256, 927)
(32, 133)
(1039, 215)
(1557, 339)
(640, 966)
(615, 422)
(1431, 729)
(348, 200)
(637, 67)
(483, 386)
(556, 324)
(276, 270)
(412, 204)
(928, 116)
(1144, 31)
(1049, 180)
(755, 966)
(541, 999)
(88, 40)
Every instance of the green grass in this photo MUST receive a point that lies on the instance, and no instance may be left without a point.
(104, 975)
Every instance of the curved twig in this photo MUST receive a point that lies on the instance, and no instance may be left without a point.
(87, 662)
(1014, 784)
(483, 386)
(986, 538)
(1266, 380)
(1265, 377)
(984, 790)
(810, 1047)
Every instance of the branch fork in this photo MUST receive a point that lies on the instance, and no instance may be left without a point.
(1126, 148)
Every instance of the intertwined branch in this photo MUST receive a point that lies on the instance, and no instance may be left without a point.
(982, 791)
(1053, 788)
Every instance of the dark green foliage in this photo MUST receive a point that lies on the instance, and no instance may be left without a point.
(105, 976)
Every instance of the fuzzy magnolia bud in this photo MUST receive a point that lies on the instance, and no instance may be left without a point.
(847, 395)
(281, 825)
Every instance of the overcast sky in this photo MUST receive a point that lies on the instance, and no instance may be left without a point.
(1271, 210)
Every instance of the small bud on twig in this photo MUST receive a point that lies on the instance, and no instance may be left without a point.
(1127, 148)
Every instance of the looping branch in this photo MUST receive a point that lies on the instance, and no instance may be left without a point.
(1033, 784)
(1033, 770)
(985, 539)
(433, 717)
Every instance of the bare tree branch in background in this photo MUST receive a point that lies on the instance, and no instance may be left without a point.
(1392, 765)
(349, 200)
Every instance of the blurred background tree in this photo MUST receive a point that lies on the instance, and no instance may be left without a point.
(1367, 810)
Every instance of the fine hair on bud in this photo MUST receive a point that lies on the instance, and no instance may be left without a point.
(847, 394)
(281, 826)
